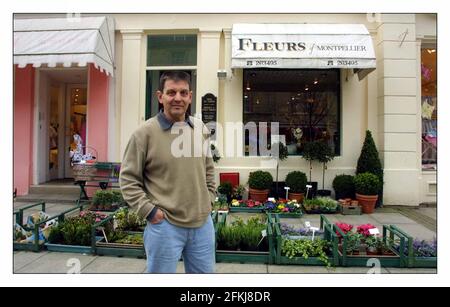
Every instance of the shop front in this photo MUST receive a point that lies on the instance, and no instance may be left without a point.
(63, 74)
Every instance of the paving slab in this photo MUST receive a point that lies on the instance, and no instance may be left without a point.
(357, 219)
(238, 268)
(57, 263)
(103, 264)
(430, 212)
(23, 258)
(296, 269)
(354, 270)
(391, 218)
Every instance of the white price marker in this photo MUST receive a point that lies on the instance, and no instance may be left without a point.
(307, 224)
(264, 234)
(374, 231)
(314, 229)
(271, 199)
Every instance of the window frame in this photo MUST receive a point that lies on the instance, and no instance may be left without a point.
(338, 88)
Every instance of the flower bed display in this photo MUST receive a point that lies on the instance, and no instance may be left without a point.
(420, 253)
(240, 241)
(320, 205)
(124, 233)
(357, 248)
(33, 235)
(298, 246)
(76, 234)
(284, 208)
(246, 206)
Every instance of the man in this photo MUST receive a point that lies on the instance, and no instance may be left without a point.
(172, 190)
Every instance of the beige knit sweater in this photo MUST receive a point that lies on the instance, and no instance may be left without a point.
(181, 184)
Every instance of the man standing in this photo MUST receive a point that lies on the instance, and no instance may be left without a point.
(171, 189)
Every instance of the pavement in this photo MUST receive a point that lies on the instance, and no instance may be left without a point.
(418, 222)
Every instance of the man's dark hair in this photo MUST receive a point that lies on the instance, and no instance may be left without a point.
(174, 76)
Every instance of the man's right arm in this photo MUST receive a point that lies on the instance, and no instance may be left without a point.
(132, 180)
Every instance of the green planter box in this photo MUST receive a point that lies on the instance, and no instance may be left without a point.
(328, 235)
(240, 256)
(289, 215)
(37, 245)
(102, 248)
(414, 261)
(243, 256)
(71, 248)
(246, 209)
(363, 260)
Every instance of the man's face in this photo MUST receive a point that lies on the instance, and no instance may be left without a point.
(175, 98)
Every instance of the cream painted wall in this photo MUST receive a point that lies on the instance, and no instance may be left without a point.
(384, 102)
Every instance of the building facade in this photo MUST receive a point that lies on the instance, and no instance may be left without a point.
(335, 98)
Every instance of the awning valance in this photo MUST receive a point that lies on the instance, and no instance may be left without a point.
(65, 41)
(302, 46)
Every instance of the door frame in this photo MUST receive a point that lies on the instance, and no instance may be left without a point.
(61, 121)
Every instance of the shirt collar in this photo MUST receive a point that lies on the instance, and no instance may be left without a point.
(167, 124)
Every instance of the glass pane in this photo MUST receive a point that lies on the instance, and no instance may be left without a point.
(304, 102)
(172, 50)
(429, 108)
(152, 105)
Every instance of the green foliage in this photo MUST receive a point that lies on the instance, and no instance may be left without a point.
(344, 186)
(128, 220)
(323, 204)
(240, 235)
(260, 180)
(225, 188)
(353, 241)
(369, 160)
(318, 151)
(306, 248)
(367, 184)
(238, 191)
(137, 239)
(296, 181)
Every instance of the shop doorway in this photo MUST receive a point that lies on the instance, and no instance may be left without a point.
(61, 113)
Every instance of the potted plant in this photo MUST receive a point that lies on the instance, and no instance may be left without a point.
(226, 189)
(238, 192)
(312, 152)
(369, 161)
(367, 186)
(324, 154)
(296, 181)
(344, 186)
(260, 183)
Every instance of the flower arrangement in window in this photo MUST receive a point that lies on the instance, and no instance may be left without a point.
(297, 133)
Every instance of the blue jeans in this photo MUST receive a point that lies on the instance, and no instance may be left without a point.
(165, 243)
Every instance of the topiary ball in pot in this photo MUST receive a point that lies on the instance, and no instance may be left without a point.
(296, 181)
(260, 183)
(344, 186)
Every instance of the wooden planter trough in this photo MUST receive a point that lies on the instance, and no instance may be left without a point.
(365, 260)
(414, 261)
(37, 245)
(104, 248)
(329, 236)
(266, 257)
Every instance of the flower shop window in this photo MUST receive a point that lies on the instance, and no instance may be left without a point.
(305, 103)
(429, 107)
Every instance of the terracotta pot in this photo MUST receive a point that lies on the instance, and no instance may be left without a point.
(367, 202)
(297, 196)
(259, 195)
